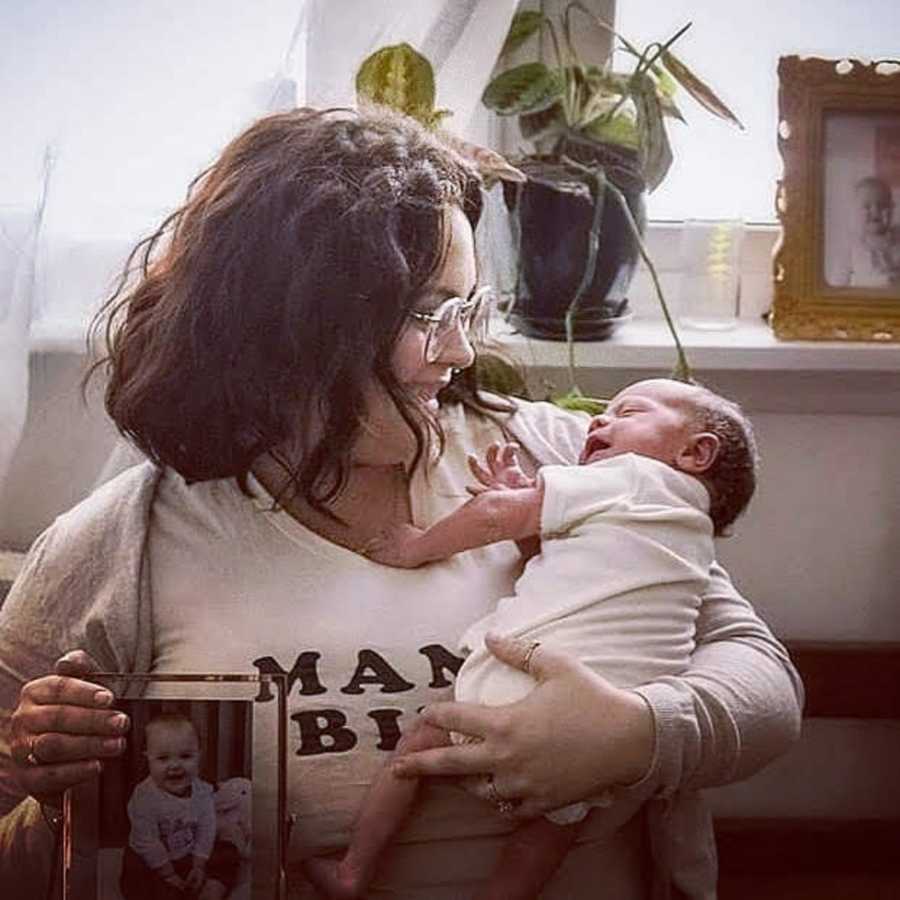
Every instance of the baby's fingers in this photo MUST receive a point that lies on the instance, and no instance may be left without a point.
(490, 457)
(479, 471)
(509, 455)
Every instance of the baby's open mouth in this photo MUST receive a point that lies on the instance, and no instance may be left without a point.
(595, 443)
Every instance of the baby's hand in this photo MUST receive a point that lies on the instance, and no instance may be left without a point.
(174, 881)
(502, 470)
(398, 546)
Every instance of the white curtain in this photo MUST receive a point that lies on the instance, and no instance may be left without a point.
(462, 39)
(138, 97)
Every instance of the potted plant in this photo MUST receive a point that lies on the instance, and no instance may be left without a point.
(600, 144)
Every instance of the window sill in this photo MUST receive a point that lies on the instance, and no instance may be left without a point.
(747, 364)
(645, 343)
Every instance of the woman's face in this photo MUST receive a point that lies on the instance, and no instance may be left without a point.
(385, 438)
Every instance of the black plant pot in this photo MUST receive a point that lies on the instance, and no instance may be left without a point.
(555, 210)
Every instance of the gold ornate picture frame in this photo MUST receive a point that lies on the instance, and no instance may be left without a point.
(837, 267)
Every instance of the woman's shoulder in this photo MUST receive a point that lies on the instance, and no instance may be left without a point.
(550, 434)
(96, 544)
(123, 500)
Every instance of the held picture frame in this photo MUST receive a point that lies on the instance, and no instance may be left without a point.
(837, 272)
(239, 722)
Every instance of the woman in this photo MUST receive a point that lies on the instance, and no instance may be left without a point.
(296, 361)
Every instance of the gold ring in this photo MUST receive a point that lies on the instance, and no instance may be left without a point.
(504, 806)
(32, 759)
(526, 663)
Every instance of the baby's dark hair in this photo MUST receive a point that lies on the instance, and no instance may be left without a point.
(876, 184)
(731, 479)
(169, 719)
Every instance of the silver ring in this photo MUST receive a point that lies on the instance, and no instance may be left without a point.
(32, 759)
(504, 806)
(526, 663)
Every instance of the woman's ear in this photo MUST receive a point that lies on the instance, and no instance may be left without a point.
(698, 453)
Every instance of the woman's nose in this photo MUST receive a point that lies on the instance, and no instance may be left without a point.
(456, 349)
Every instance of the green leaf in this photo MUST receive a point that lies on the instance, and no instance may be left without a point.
(575, 401)
(698, 89)
(613, 83)
(496, 374)
(399, 77)
(669, 108)
(620, 129)
(666, 85)
(435, 120)
(547, 122)
(528, 88)
(523, 26)
(654, 150)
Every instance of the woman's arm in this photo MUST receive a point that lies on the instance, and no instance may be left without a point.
(735, 709)
(80, 587)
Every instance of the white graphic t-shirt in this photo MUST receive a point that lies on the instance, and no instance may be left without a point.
(238, 588)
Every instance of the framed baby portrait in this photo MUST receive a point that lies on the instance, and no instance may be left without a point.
(837, 267)
(195, 806)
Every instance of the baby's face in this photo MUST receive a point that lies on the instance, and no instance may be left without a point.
(173, 753)
(875, 210)
(649, 418)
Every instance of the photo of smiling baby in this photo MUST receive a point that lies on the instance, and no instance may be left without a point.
(174, 812)
(172, 843)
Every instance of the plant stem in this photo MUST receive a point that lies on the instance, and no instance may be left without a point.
(682, 368)
(661, 48)
(562, 68)
(598, 175)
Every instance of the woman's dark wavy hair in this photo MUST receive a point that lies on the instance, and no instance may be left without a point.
(278, 290)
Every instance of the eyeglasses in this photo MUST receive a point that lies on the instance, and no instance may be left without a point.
(472, 315)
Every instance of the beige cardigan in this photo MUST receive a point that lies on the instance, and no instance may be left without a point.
(84, 585)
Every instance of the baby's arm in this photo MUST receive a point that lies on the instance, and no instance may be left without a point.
(502, 513)
(145, 841)
(204, 841)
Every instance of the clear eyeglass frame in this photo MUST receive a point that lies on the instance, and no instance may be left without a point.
(472, 315)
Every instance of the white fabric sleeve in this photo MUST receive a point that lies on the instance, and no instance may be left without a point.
(573, 493)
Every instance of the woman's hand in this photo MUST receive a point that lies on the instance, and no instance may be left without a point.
(573, 736)
(62, 728)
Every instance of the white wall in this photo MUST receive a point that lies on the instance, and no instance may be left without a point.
(817, 552)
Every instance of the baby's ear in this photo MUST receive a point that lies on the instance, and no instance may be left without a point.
(698, 453)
